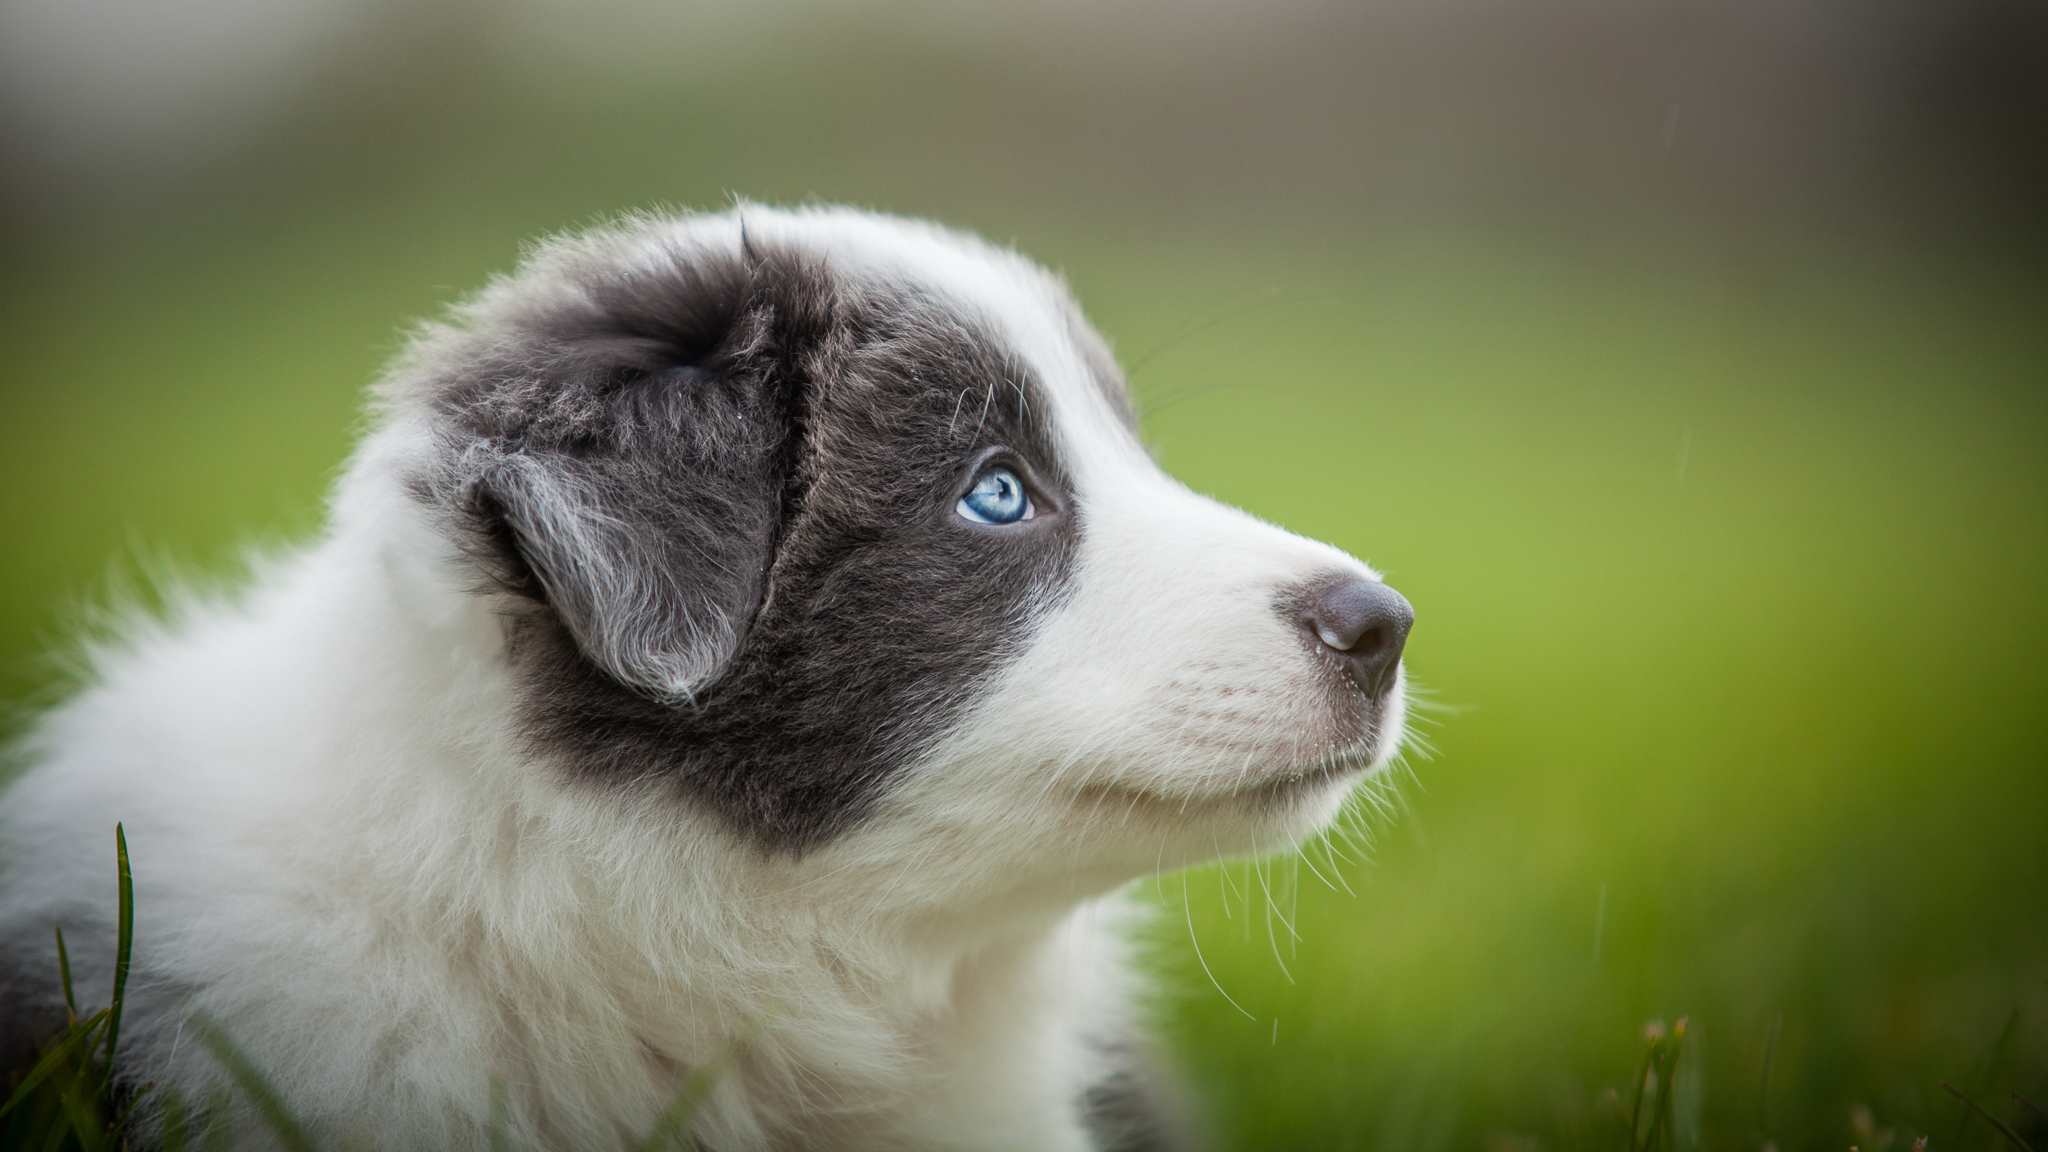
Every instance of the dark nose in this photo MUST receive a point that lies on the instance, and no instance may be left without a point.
(1363, 623)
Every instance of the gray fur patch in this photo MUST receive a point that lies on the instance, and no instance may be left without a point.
(720, 496)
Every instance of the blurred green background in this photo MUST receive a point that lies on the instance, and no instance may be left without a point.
(1683, 362)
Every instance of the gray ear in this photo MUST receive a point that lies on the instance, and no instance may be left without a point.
(651, 543)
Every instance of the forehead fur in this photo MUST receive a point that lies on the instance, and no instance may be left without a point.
(1026, 307)
(1014, 301)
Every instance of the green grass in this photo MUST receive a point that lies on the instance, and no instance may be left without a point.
(67, 1100)
(1731, 593)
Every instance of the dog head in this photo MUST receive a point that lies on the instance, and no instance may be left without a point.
(822, 522)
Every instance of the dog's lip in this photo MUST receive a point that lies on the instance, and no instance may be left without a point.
(1344, 764)
(1354, 760)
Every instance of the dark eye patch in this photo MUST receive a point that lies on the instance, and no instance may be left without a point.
(874, 619)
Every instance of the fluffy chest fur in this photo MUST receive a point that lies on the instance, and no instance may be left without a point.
(749, 650)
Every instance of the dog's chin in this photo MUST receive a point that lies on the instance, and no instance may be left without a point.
(1306, 781)
(1265, 811)
(1304, 797)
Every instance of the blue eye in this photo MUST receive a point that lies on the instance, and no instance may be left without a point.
(996, 498)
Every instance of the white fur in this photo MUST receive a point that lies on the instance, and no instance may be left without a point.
(344, 857)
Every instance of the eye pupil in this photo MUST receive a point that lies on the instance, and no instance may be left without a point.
(997, 497)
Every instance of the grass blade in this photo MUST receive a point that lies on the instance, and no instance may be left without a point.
(123, 946)
(251, 1082)
(501, 1140)
(1983, 1071)
(174, 1132)
(1980, 1110)
(218, 1136)
(1635, 1111)
(59, 1132)
(1667, 1072)
(128, 1112)
(64, 971)
(80, 1103)
(675, 1123)
(55, 1058)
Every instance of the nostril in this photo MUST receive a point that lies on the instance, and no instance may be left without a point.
(1364, 623)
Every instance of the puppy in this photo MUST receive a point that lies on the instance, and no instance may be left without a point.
(755, 643)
